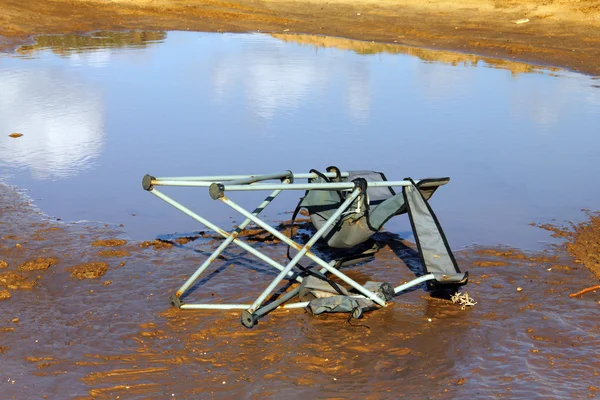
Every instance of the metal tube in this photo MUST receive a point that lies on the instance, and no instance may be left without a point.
(312, 175)
(235, 306)
(302, 251)
(414, 282)
(224, 244)
(157, 182)
(276, 303)
(301, 304)
(221, 178)
(282, 186)
(309, 186)
(221, 232)
(258, 178)
(214, 306)
(214, 178)
(313, 257)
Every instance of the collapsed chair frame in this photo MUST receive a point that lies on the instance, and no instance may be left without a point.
(219, 185)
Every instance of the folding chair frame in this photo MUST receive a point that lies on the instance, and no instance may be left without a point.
(218, 185)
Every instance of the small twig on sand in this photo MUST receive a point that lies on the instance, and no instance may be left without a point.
(585, 291)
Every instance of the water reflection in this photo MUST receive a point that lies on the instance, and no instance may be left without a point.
(60, 116)
(201, 104)
(434, 56)
(68, 45)
(60, 112)
(274, 81)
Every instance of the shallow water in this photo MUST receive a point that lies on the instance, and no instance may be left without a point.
(97, 113)
(117, 336)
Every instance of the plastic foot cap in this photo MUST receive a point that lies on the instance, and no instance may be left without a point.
(175, 301)
(249, 319)
(147, 182)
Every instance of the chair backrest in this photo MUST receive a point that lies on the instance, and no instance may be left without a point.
(358, 223)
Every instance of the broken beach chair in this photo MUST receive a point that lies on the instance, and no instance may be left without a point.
(346, 209)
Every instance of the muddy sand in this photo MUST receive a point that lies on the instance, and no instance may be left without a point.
(85, 315)
(554, 32)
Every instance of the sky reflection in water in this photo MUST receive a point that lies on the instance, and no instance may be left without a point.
(519, 143)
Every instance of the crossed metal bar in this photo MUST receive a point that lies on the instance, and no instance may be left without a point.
(218, 185)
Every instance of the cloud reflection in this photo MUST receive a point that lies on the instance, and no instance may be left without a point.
(61, 119)
(275, 80)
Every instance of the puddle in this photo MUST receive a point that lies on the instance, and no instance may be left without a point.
(98, 112)
(115, 336)
(87, 314)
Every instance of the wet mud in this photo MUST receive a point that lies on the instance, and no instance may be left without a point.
(554, 32)
(92, 270)
(118, 337)
(583, 241)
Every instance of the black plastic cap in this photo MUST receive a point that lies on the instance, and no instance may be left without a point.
(175, 301)
(386, 291)
(360, 183)
(338, 173)
(216, 190)
(147, 182)
(248, 319)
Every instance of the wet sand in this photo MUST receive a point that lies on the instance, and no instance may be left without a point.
(86, 313)
(556, 33)
(109, 332)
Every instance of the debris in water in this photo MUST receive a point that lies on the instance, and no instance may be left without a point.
(590, 289)
(463, 300)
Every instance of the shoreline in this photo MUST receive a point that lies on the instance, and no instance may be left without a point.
(554, 35)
